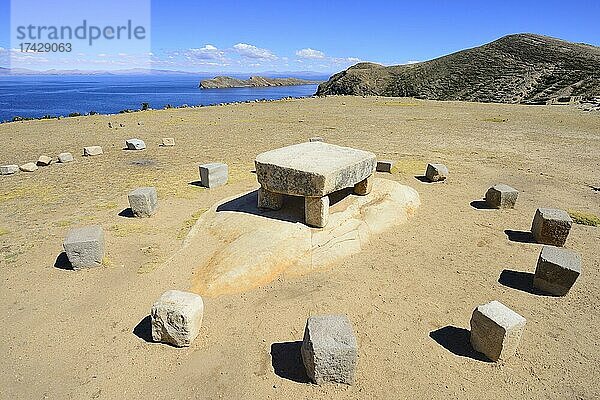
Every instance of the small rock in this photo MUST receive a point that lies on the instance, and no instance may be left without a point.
(110, 125)
(168, 142)
(44, 161)
(329, 349)
(92, 151)
(385, 166)
(557, 270)
(8, 169)
(29, 167)
(65, 157)
(213, 175)
(316, 139)
(85, 247)
(176, 318)
(135, 144)
(496, 330)
(143, 201)
(436, 172)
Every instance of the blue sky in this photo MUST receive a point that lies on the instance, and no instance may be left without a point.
(322, 36)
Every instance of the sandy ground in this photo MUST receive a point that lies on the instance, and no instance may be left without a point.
(409, 294)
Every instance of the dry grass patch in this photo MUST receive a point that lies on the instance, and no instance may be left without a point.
(584, 218)
(189, 223)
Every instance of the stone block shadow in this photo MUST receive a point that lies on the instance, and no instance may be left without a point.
(143, 329)
(287, 361)
(457, 341)
(519, 236)
(127, 213)
(62, 262)
(480, 205)
(196, 183)
(522, 281)
(422, 178)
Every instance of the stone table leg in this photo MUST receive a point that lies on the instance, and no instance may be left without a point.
(316, 211)
(364, 187)
(270, 200)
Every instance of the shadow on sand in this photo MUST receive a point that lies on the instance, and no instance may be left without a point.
(62, 262)
(522, 281)
(287, 361)
(519, 236)
(457, 341)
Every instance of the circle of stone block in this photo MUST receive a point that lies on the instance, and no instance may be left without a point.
(143, 201)
(501, 196)
(213, 174)
(176, 317)
(436, 172)
(85, 247)
(551, 226)
(557, 270)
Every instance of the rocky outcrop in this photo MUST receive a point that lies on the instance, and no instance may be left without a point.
(522, 68)
(221, 82)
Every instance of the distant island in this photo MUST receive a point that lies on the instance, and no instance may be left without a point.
(222, 82)
(521, 68)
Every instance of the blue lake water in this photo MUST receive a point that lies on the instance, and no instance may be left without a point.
(36, 96)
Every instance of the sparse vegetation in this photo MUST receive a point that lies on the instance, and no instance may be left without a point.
(189, 223)
(584, 218)
(4, 231)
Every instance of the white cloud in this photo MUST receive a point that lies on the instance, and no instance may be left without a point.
(310, 53)
(250, 51)
(411, 62)
(208, 52)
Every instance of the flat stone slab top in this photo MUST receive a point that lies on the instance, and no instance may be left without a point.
(65, 157)
(135, 144)
(92, 151)
(557, 270)
(85, 247)
(496, 330)
(501, 196)
(29, 167)
(176, 318)
(44, 161)
(168, 142)
(329, 349)
(9, 169)
(313, 169)
(551, 226)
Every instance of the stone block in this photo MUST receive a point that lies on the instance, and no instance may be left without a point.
(329, 349)
(213, 175)
(92, 151)
(44, 161)
(557, 270)
(176, 318)
(496, 330)
(436, 172)
(316, 211)
(85, 247)
(9, 169)
(168, 142)
(65, 157)
(143, 201)
(135, 144)
(385, 166)
(316, 139)
(364, 187)
(313, 169)
(269, 200)
(551, 226)
(29, 167)
(501, 196)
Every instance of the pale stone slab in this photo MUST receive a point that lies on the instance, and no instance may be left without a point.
(213, 174)
(235, 247)
(9, 169)
(329, 349)
(316, 211)
(496, 330)
(85, 247)
(364, 187)
(551, 226)
(168, 142)
(29, 167)
(176, 318)
(316, 139)
(269, 200)
(92, 151)
(135, 144)
(557, 270)
(143, 201)
(436, 172)
(501, 196)
(313, 169)
(385, 166)
(44, 161)
(65, 157)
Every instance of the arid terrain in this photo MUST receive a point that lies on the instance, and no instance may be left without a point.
(409, 293)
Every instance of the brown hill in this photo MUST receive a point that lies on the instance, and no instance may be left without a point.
(522, 68)
(221, 82)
